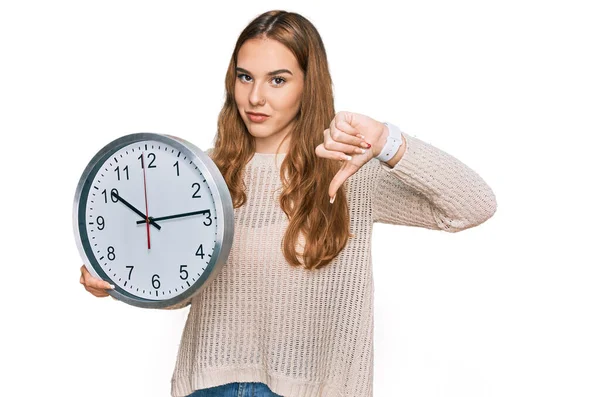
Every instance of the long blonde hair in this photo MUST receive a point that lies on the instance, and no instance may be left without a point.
(304, 197)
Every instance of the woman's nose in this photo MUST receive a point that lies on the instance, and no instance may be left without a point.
(256, 98)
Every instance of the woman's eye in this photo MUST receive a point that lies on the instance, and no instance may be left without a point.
(279, 80)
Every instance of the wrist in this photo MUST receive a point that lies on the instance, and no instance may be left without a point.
(390, 142)
(379, 145)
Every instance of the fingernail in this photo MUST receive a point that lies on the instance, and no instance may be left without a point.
(365, 144)
(331, 200)
(360, 136)
(348, 158)
(112, 286)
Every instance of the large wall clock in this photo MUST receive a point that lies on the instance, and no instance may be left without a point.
(153, 216)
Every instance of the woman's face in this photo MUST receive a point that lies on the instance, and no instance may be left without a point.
(269, 81)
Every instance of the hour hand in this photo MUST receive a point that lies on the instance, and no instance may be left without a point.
(131, 207)
(162, 218)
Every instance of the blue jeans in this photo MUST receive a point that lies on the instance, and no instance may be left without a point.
(236, 389)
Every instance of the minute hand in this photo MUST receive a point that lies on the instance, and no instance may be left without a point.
(162, 218)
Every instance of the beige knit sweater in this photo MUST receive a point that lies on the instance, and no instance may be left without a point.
(309, 334)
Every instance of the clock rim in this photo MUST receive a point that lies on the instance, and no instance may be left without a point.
(223, 204)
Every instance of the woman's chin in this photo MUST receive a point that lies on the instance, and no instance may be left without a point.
(259, 131)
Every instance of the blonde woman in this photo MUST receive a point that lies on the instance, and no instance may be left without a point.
(291, 313)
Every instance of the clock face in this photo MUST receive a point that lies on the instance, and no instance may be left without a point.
(150, 217)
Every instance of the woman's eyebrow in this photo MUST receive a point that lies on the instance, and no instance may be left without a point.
(273, 73)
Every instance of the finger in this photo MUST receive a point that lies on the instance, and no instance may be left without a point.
(94, 288)
(343, 143)
(83, 274)
(342, 131)
(100, 294)
(99, 284)
(331, 154)
(94, 282)
(96, 292)
(343, 121)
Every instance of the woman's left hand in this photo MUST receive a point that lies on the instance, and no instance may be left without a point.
(344, 137)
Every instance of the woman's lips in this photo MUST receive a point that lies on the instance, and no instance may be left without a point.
(256, 118)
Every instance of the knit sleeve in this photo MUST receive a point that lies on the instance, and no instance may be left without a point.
(430, 188)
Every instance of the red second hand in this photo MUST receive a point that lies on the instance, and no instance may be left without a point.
(146, 198)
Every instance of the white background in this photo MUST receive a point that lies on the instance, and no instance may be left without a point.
(511, 88)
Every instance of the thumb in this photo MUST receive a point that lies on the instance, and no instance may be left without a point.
(338, 180)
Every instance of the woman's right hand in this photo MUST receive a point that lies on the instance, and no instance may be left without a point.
(93, 285)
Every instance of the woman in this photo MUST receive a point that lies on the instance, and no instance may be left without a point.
(291, 313)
